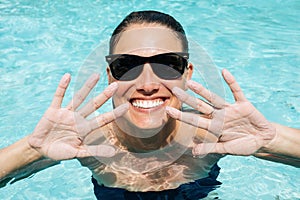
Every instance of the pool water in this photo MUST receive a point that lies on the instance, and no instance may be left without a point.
(258, 41)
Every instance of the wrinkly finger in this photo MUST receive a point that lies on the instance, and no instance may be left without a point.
(202, 136)
(211, 97)
(189, 118)
(99, 100)
(81, 95)
(234, 86)
(108, 117)
(96, 151)
(206, 148)
(195, 103)
(60, 91)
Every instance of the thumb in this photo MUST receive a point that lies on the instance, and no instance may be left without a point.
(96, 151)
(205, 148)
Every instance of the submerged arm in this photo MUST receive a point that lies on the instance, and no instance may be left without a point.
(284, 148)
(17, 155)
(20, 160)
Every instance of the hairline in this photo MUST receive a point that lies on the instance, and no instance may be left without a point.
(115, 38)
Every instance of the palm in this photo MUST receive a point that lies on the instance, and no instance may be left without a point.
(60, 133)
(244, 130)
(57, 135)
(240, 127)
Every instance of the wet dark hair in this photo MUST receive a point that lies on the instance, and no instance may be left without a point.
(151, 17)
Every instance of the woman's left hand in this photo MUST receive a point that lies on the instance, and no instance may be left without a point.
(240, 127)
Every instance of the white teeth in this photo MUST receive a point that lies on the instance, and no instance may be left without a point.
(147, 103)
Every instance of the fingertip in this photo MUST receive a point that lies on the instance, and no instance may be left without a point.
(124, 107)
(198, 151)
(190, 83)
(193, 85)
(109, 151)
(111, 89)
(227, 76)
(95, 76)
(113, 85)
(64, 82)
(224, 70)
(101, 150)
(179, 93)
(171, 111)
(121, 110)
(201, 150)
(168, 109)
(66, 78)
(67, 74)
(175, 90)
(194, 151)
(92, 80)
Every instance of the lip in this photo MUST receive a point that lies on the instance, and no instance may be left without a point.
(147, 110)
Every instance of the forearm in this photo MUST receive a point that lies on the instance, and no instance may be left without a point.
(17, 156)
(284, 148)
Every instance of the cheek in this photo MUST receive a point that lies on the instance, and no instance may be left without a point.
(124, 91)
(175, 102)
(174, 83)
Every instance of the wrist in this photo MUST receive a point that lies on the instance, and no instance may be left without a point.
(31, 153)
(17, 156)
(286, 142)
(271, 146)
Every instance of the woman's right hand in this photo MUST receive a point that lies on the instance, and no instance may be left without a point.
(60, 133)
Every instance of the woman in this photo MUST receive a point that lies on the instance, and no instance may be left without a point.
(141, 149)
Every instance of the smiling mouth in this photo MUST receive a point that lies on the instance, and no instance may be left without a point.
(147, 104)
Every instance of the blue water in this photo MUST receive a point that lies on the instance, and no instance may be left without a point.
(258, 41)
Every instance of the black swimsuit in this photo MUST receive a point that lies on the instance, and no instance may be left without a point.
(192, 191)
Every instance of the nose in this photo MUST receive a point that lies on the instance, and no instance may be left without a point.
(147, 83)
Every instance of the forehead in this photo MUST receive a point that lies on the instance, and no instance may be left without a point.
(145, 40)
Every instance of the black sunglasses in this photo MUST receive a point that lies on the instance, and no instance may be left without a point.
(127, 67)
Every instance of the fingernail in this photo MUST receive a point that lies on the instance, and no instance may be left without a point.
(121, 110)
(110, 152)
(178, 92)
(226, 74)
(175, 90)
(171, 111)
(111, 89)
(66, 78)
(101, 150)
(93, 78)
(191, 84)
(113, 85)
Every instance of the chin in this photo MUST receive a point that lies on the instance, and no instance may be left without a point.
(142, 126)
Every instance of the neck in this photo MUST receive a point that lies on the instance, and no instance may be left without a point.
(158, 137)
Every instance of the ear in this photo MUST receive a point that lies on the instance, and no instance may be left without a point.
(190, 71)
(189, 74)
(109, 76)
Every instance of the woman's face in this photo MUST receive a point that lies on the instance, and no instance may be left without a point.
(148, 95)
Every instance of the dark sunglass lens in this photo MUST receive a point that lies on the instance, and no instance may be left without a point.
(175, 61)
(132, 74)
(123, 67)
(169, 66)
(165, 72)
(127, 67)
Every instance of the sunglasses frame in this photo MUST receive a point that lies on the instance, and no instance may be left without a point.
(112, 57)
